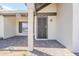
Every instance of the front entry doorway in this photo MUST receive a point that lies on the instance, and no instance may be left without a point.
(42, 28)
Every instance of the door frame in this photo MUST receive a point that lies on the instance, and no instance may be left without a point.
(17, 28)
(36, 28)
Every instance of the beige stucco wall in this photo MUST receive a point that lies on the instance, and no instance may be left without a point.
(1, 26)
(9, 27)
(52, 27)
(65, 24)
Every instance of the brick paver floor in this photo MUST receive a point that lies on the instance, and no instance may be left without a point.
(17, 46)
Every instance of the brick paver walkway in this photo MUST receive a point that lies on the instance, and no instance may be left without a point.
(17, 46)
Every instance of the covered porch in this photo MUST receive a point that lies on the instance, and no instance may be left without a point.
(59, 30)
(66, 26)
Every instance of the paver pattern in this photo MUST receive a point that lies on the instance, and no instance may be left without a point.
(17, 46)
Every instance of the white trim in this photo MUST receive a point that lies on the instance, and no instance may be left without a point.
(41, 39)
(45, 39)
(35, 27)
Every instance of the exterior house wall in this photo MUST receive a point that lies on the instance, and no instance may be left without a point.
(65, 24)
(1, 26)
(9, 27)
(51, 25)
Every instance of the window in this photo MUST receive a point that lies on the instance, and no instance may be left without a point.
(23, 27)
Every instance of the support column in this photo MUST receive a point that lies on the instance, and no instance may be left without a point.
(30, 25)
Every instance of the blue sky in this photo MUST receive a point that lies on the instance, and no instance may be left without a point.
(14, 6)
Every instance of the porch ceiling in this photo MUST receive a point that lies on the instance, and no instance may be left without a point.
(39, 6)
